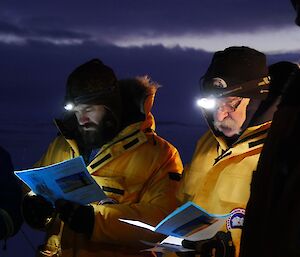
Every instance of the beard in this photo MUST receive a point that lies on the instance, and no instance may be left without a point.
(91, 135)
(96, 135)
(228, 127)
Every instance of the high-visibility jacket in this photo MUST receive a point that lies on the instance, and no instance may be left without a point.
(219, 175)
(140, 171)
(218, 178)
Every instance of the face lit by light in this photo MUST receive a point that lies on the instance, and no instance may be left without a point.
(89, 116)
(229, 113)
(230, 122)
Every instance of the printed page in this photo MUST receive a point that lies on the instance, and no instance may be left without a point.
(191, 222)
(68, 180)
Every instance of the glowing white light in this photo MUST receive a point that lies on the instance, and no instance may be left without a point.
(206, 103)
(69, 107)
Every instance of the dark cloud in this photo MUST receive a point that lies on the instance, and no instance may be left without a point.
(115, 19)
(6, 27)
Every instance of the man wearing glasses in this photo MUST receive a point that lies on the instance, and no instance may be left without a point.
(238, 110)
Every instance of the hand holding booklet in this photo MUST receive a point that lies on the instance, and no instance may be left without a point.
(69, 180)
(189, 222)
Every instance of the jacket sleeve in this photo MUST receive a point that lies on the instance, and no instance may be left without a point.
(10, 197)
(156, 201)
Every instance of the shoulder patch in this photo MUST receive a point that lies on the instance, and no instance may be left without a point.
(236, 219)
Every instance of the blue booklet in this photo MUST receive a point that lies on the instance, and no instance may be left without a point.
(189, 221)
(68, 180)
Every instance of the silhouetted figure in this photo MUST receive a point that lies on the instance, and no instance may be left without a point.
(271, 225)
(10, 198)
(296, 4)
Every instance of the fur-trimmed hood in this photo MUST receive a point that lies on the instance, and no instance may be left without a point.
(137, 101)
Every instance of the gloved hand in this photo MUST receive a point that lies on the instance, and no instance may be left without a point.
(220, 245)
(37, 211)
(79, 218)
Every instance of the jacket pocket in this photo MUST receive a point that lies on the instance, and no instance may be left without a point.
(113, 187)
(234, 189)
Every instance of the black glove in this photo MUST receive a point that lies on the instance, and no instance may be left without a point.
(220, 245)
(37, 211)
(80, 218)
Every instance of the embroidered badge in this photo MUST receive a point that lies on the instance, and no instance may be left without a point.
(236, 219)
(219, 83)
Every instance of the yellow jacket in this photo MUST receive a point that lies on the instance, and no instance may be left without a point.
(218, 178)
(141, 172)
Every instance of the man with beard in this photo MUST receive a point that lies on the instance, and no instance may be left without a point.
(238, 113)
(110, 124)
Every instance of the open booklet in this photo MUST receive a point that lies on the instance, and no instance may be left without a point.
(68, 180)
(189, 221)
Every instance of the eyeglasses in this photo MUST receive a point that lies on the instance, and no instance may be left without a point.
(228, 105)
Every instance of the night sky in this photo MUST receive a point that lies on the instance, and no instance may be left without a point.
(172, 41)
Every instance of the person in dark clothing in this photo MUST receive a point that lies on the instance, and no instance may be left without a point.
(271, 226)
(296, 5)
(10, 198)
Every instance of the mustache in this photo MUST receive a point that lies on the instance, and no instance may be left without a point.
(89, 125)
(228, 122)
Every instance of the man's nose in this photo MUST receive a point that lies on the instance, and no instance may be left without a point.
(83, 119)
(221, 114)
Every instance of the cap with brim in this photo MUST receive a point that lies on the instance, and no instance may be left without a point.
(237, 71)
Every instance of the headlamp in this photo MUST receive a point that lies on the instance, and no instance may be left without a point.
(206, 103)
(69, 106)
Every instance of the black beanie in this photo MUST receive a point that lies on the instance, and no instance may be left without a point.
(237, 71)
(94, 83)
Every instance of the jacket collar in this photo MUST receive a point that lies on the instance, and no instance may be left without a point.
(129, 138)
(248, 134)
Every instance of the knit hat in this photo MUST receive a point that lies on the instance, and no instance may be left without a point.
(94, 83)
(237, 71)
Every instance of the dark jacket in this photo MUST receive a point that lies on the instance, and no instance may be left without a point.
(271, 225)
(10, 198)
